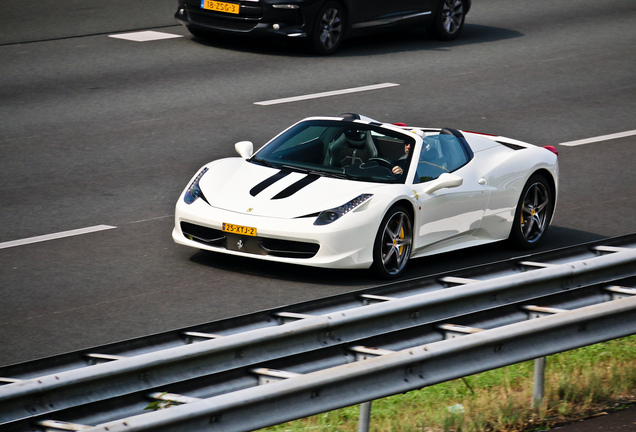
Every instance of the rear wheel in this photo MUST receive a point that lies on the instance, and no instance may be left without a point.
(393, 243)
(328, 29)
(449, 19)
(533, 214)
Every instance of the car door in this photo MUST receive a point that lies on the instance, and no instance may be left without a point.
(366, 14)
(418, 9)
(448, 214)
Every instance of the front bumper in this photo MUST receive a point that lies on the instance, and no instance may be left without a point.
(255, 19)
(345, 243)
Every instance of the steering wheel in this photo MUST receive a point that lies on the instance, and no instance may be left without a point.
(381, 161)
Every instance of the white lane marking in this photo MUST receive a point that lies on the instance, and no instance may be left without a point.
(54, 236)
(599, 138)
(144, 36)
(326, 94)
(22, 138)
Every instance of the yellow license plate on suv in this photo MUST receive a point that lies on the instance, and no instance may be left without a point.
(239, 229)
(220, 6)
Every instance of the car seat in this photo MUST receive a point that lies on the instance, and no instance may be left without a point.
(352, 147)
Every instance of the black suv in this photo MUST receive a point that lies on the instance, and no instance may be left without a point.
(323, 24)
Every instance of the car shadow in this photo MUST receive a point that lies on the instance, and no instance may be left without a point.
(283, 271)
(557, 238)
(407, 40)
(412, 40)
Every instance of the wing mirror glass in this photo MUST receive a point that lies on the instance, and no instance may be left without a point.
(446, 180)
(244, 148)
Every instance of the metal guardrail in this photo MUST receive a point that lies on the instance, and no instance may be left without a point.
(390, 374)
(268, 318)
(26, 402)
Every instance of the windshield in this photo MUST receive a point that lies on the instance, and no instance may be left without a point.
(440, 154)
(341, 149)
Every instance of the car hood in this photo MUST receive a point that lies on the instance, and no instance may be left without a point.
(237, 185)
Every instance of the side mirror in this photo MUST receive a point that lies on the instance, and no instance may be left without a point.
(446, 180)
(244, 149)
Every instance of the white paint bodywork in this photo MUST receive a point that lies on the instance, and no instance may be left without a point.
(479, 211)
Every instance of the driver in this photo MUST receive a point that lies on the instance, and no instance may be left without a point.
(401, 163)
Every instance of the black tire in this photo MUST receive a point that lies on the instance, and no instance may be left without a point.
(449, 19)
(533, 214)
(328, 29)
(393, 243)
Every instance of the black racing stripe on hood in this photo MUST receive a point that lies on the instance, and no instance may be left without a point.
(268, 182)
(289, 191)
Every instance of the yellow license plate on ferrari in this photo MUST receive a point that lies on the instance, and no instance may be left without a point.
(218, 6)
(239, 229)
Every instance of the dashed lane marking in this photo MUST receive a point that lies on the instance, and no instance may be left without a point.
(55, 236)
(144, 36)
(326, 94)
(599, 139)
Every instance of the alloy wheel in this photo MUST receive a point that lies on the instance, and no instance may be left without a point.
(535, 212)
(395, 243)
(452, 15)
(330, 28)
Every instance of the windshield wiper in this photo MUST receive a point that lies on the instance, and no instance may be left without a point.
(262, 162)
(295, 168)
(315, 172)
(335, 175)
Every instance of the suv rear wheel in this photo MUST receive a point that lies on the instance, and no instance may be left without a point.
(449, 19)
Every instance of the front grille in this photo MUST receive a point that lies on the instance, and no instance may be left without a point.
(201, 234)
(248, 244)
(288, 248)
(220, 23)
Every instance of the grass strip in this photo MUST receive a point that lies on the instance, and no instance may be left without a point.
(578, 384)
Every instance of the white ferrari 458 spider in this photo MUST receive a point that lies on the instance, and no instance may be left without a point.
(352, 192)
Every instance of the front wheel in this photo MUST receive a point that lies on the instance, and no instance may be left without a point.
(533, 214)
(328, 29)
(449, 19)
(393, 243)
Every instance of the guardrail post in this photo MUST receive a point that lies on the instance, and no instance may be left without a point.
(365, 417)
(538, 390)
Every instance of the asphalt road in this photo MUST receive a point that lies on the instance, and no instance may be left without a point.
(618, 421)
(96, 130)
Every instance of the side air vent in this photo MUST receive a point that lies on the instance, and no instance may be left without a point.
(511, 146)
(289, 249)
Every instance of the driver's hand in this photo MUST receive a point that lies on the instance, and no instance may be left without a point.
(397, 170)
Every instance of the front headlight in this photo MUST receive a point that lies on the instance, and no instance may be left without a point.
(194, 191)
(327, 216)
